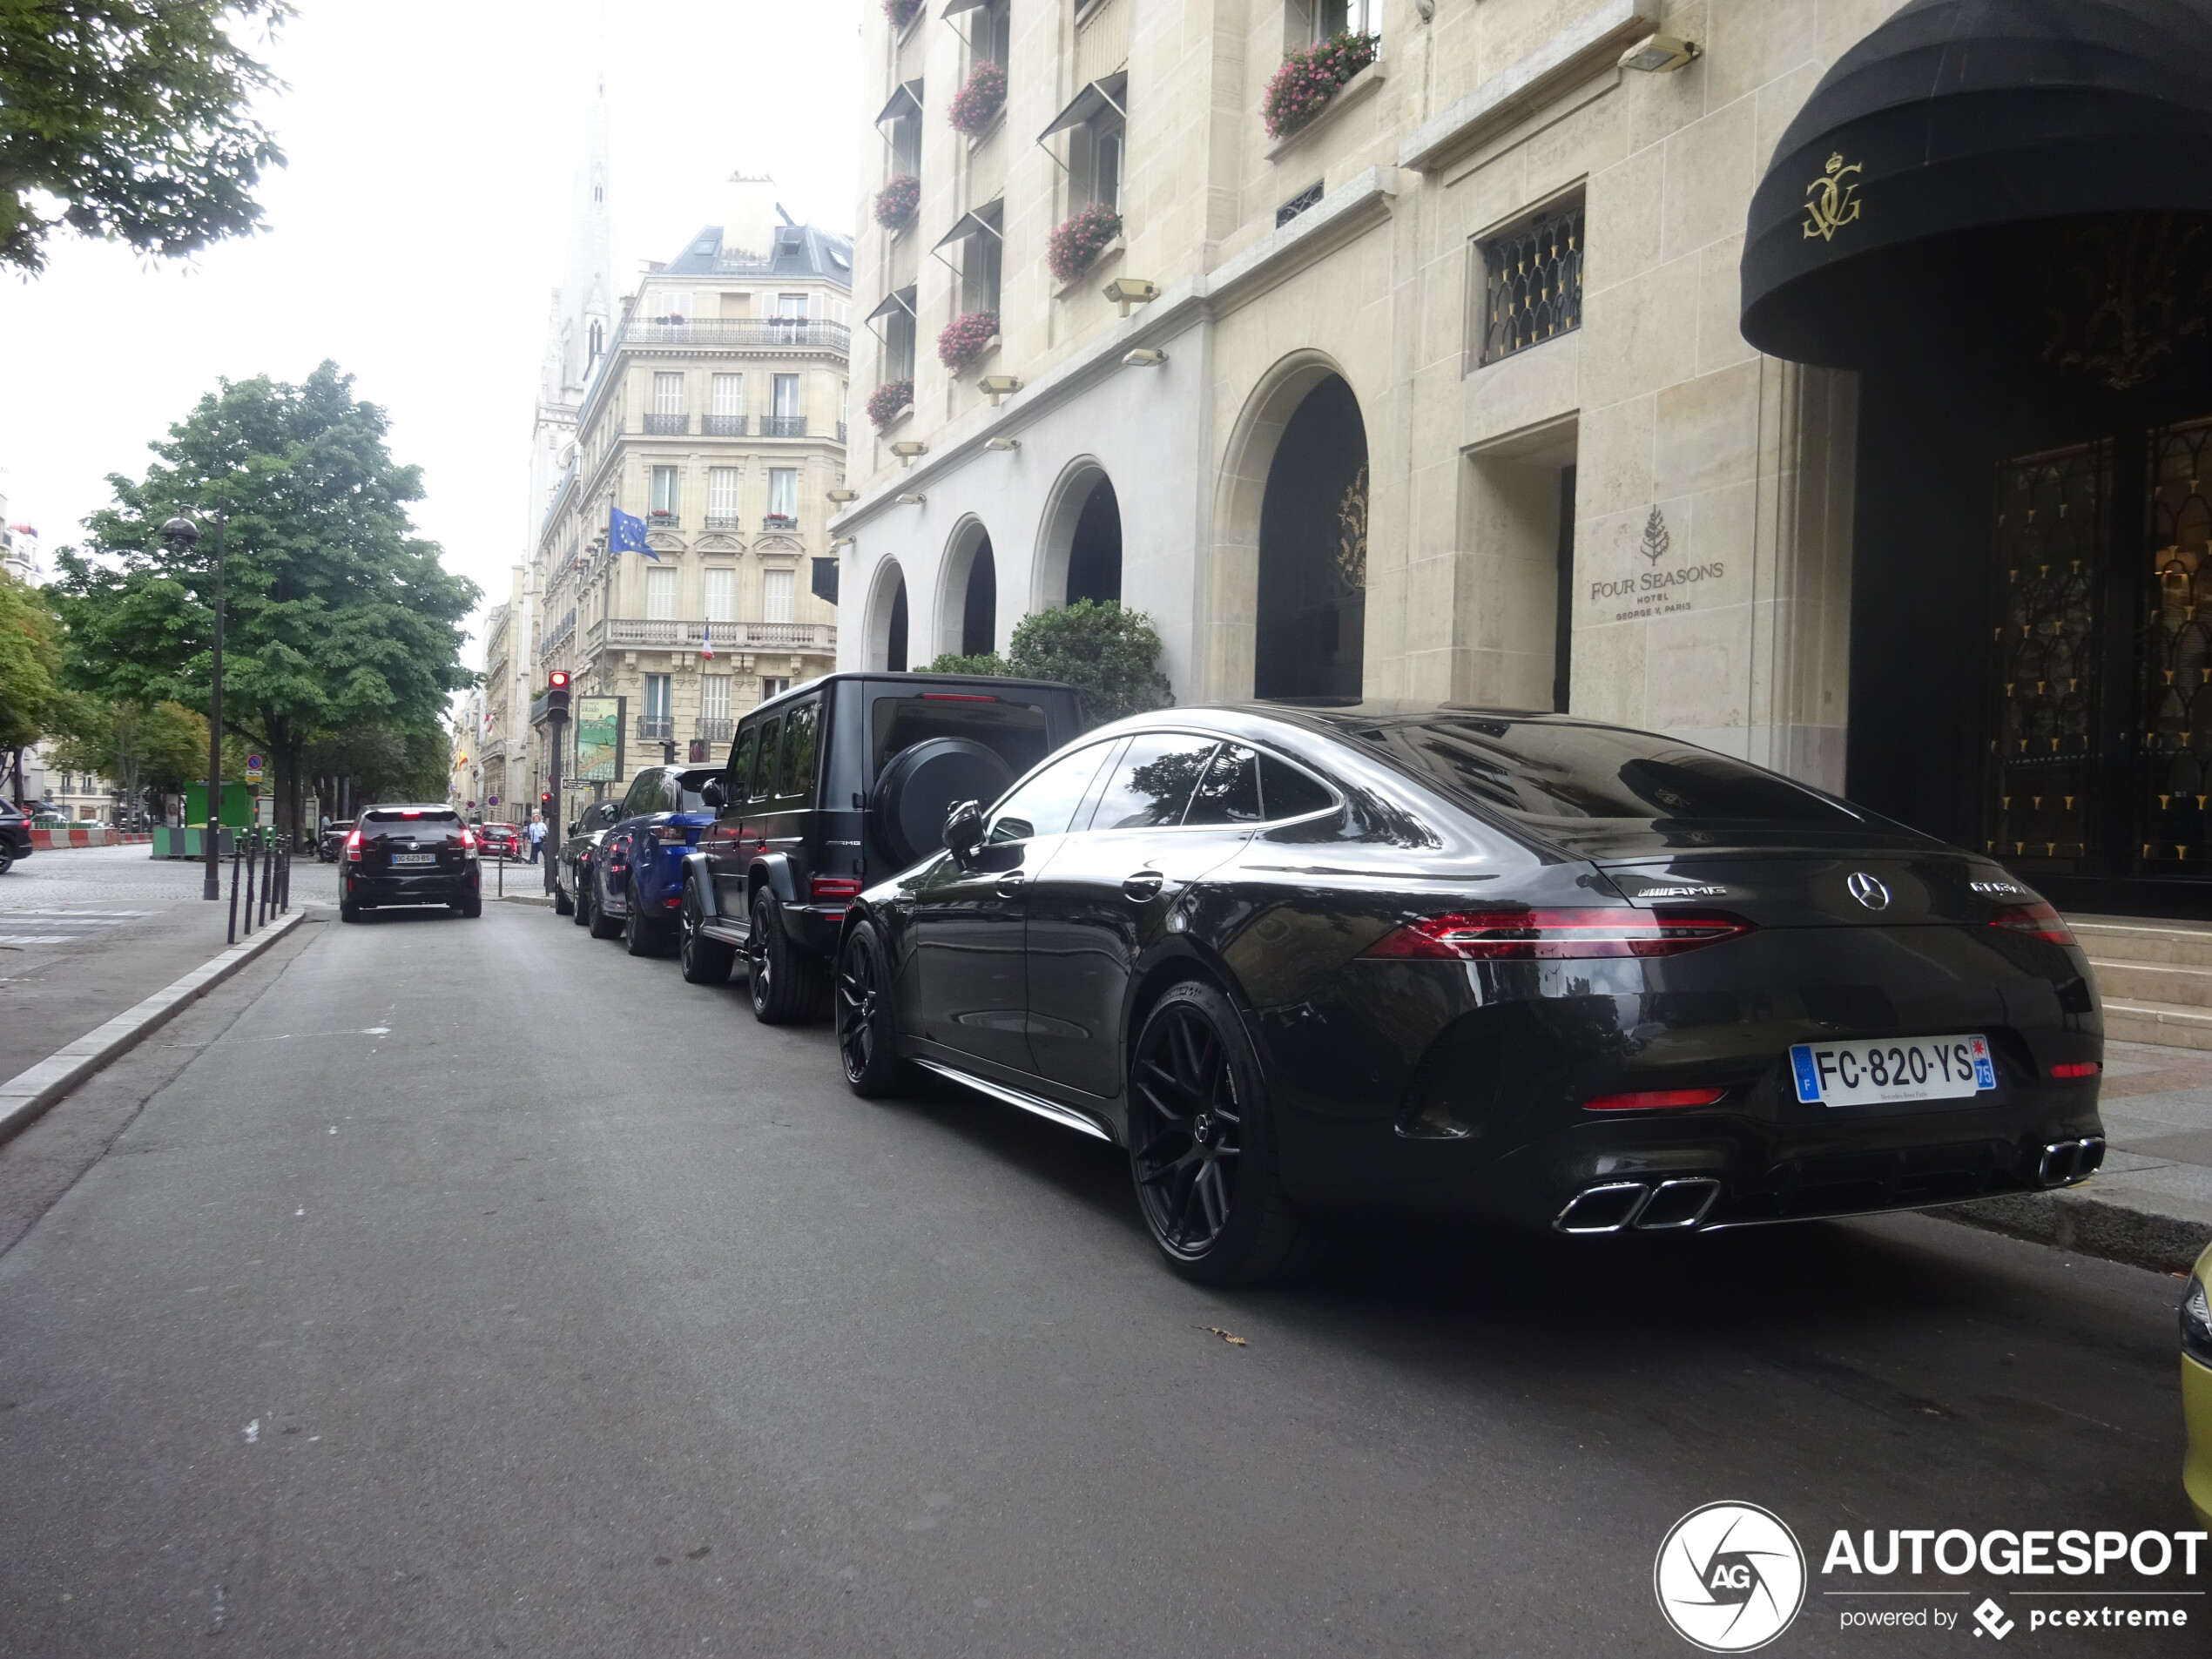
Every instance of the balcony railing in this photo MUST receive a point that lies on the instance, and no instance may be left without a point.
(664, 519)
(655, 728)
(636, 633)
(725, 426)
(708, 731)
(814, 333)
(784, 425)
(779, 522)
(668, 426)
(722, 521)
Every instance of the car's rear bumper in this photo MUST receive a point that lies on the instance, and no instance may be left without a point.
(436, 887)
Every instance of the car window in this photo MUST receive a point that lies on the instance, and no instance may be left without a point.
(1153, 780)
(742, 752)
(687, 786)
(763, 774)
(1539, 769)
(643, 796)
(411, 823)
(795, 777)
(1046, 804)
(1229, 793)
(1285, 791)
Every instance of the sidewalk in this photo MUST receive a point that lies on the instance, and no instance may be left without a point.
(2151, 1204)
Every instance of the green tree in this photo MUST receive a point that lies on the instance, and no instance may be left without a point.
(142, 746)
(30, 660)
(127, 119)
(1110, 654)
(337, 617)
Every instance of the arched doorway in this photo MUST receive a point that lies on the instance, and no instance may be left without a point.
(968, 601)
(887, 615)
(1310, 619)
(1080, 550)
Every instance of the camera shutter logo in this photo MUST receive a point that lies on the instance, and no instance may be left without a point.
(1730, 1577)
(1868, 890)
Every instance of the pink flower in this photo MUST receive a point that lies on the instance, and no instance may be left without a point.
(887, 400)
(965, 337)
(1081, 239)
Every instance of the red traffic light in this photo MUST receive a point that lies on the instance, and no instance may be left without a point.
(558, 679)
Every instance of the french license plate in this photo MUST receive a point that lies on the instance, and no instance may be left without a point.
(414, 858)
(1868, 1074)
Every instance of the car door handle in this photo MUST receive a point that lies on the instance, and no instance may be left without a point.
(1010, 884)
(1143, 886)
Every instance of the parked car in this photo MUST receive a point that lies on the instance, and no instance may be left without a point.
(1308, 963)
(499, 840)
(2196, 1387)
(830, 787)
(330, 845)
(635, 882)
(572, 859)
(409, 855)
(14, 836)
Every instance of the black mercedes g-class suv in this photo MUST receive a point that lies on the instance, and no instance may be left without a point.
(830, 787)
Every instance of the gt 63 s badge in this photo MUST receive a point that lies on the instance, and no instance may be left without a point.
(1730, 1577)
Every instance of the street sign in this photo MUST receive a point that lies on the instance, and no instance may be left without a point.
(491, 801)
(254, 767)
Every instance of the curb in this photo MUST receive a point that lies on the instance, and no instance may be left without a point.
(25, 1096)
(2078, 1220)
(544, 899)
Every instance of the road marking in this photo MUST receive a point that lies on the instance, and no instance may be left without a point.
(81, 924)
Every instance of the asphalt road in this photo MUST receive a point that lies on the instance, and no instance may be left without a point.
(467, 1287)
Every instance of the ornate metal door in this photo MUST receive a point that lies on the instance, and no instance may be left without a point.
(2174, 779)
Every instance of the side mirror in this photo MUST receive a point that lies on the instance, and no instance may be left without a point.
(575, 825)
(963, 830)
(711, 792)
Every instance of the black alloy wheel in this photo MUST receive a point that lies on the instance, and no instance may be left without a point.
(7, 859)
(868, 1039)
(785, 983)
(580, 901)
(601, 925)
(640, 936)
(562, 907)
(1201, 1151)
(705, 961)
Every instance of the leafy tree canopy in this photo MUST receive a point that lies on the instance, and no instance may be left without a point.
(338, 618)
(160, 745)
(127, 119)
(29, 659)
(988, 662)
(1110, 654)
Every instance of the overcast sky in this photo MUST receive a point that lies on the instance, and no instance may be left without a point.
(418, 232)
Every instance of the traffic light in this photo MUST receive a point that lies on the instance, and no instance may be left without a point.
(556, 691)
(545, 799)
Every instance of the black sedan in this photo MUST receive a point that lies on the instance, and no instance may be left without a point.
(14, 836)
(1308, 964)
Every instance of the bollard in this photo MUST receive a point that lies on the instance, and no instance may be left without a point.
(234, 932)
(268, 878)
(249, 888)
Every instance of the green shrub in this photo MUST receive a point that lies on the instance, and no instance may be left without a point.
(1110, 654)
(952, 662)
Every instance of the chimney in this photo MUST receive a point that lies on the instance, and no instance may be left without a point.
(749, 217)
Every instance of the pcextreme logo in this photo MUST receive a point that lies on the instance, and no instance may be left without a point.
(1730, 1577)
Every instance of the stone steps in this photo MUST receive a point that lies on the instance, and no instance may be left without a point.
(2154, 978)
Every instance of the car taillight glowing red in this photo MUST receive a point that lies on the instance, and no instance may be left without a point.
(468, 841)
(1553, 935)
(1647, 1099)
(354, 847)
(2037, 921)
(834, 889)
(2077, 1068)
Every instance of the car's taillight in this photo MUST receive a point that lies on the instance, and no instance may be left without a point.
(1550, 935)
(2077, 1068)
(468, 841)
(2037, 921)
(1646, 1099)
(834, 889)
(354, 847)
(674, 834)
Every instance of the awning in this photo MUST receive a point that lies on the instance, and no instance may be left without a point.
(954, 8)
(1965, 116)
(1111, 93)
(984, 220)
(895, 300)
(906, 99)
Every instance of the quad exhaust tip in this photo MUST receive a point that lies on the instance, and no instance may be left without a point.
(1615, 1206)
(2067, 1162)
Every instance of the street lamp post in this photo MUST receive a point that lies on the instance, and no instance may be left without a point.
(182, 535)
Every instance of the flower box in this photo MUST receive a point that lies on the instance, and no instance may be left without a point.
(966, 338)
(1301, 88)
(896, 201)
(888, 401)
(976, 106)
(1074, 246)
(900, 12)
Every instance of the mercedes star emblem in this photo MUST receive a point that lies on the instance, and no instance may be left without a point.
(1868, 891)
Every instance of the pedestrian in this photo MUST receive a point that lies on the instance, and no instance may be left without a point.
(538, 835)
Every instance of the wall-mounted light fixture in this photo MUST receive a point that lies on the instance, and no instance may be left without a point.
(914, 500)
(1130, 291)
(908, 449)
(1145, 357)
(841, 496)
(1002, 444)
(996, 386)
(1660, 54)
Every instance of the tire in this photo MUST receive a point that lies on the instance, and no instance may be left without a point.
(471, 908)
(787, 984)
(868, 1035)
(580, 901)
(601, 925)
(1203, 1150)
(7, 859)
(348, 911)
(705, 961)
(562, 907)
(639, 936)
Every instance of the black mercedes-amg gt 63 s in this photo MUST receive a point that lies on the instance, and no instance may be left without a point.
(1308, 963)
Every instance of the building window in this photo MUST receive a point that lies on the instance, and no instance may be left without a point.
(727, 416)
(1325, 19)
(783, 497)
(714, 700)
(790, 306)
(597, 336)
(784, 419)
(1531, 281)
(672, 305)
(660, 594)
(721, 499)
(774, 685)
(775, 596)
(898, 340)
(991, 35)
(668, 394)
(659, 722)
(664, 493)
(980, 263)
(721, 593)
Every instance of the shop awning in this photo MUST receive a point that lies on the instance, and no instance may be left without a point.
(1110, 93)
(905, 101)
(895, 300)
(984, 221)
(1965, 116)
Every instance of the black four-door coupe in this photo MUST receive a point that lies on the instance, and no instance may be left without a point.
(1304, 963)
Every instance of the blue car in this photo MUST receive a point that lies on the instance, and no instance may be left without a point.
(633, 887)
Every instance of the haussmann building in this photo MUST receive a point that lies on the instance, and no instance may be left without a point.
(1826, 381)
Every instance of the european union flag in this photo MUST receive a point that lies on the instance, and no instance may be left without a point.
(627, 535)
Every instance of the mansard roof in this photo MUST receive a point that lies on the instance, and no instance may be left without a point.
(799, 251)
